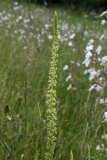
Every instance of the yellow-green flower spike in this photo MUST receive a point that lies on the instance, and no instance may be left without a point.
(51, 96)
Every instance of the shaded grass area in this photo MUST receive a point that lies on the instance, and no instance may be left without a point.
(25, 51)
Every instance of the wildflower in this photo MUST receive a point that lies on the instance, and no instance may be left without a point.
(98, 88)
(102, 37)
(103, 60)
(46, 26)
(15, 3)
(69, 87)
(89, 47)
(20, 17)
(51, 97)
(103, 13)
(69, 77)
(65, 67)
(72, 36)
(98, 147)
(70, 44)
(103, 22)
(78, 64)
(92, 87)
(98, 50)
(105, 116)
(86, 62)
(104, 136)
(92, 75)
(50, 36)
(85, 72)
(103, 101)
(90, 42)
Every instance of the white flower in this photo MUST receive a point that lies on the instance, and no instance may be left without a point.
(69, 77)
(104, 136)
(103, 13)
(46, 26)
(98, 50)
(89, 47)
(98, 147)
(92, 87)
(9, 118)
(105, 116)
(88, 54)
(92, 73)
(15, 3)
(86, 62)
(103, 60)
(65, 67)
(72, 36)
(25, 47)
(69, 87)
(70, 44)
(102, 37)
(85, 72)
(103, 101)
(78, 64)
(98, 88)
(90, 42)
(86, 33)
(20, 17)
(50, 36)
(103, 22)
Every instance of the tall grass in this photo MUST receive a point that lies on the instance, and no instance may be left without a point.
(26, 36)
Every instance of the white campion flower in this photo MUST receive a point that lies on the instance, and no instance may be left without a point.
(86, 62)
(65, 67)
(92, 87)
(90, 42)
(88, 54)
(15, 3)
(70, 44)
(78, 64)
(104, 136)
(85, 72)
(86, 33)
(69, 87)
(98, 88)
(102, 37)
(92, 73)
(98, 147)
(105, 116)
(103, 60)
(103, 101)
(50, 36)
(103, 22)
(69, 77)
(72, 36)
(46, 26)
(103, 13)
(89, 47)
(20, 17)
(98, 49)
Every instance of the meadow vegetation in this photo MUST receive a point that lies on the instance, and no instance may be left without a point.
(26, 38)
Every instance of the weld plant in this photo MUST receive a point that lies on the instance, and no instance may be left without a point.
(51, 97)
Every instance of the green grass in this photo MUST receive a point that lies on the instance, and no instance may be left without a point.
(24, 68)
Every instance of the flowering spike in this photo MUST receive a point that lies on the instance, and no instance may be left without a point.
(51, 96)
